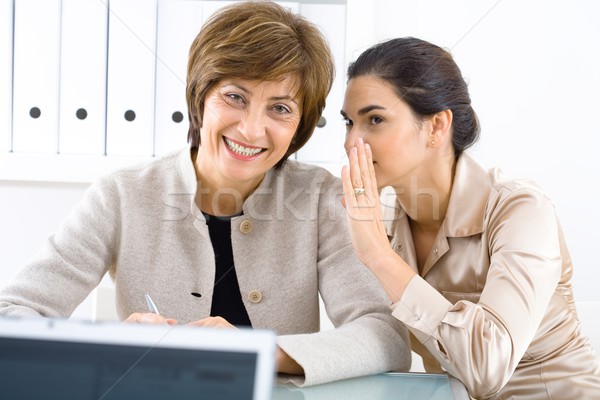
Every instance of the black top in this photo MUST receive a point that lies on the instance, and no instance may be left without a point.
(226, 300)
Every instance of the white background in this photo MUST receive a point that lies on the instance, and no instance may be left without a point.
(534, 74)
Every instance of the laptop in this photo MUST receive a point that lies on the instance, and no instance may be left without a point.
(65, 359)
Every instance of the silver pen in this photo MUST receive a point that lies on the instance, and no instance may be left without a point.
(151, 306)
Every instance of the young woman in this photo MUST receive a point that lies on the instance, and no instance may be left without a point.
(478, 269)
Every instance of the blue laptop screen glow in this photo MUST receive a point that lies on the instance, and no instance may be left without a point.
(36, 369)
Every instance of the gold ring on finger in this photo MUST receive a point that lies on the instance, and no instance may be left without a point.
(358, 191)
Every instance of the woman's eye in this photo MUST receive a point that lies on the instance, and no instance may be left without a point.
(376, 120)
(347, 121)
(235, 97)
(281, 109)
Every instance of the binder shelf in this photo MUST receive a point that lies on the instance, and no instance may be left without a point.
(95, 85)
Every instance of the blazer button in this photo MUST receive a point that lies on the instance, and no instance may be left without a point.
(255, 296)
(246, 226)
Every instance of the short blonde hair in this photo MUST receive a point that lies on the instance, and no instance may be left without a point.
(260, 40)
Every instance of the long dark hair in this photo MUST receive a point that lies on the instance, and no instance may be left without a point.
(426, 77)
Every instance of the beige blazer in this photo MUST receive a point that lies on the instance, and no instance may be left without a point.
(494, 304)
(142, 226)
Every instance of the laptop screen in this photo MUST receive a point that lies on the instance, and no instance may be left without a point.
(191, 363)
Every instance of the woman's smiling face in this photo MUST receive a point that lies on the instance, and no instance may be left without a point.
(247, 127)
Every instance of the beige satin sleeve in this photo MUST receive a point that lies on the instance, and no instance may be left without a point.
(482, 344)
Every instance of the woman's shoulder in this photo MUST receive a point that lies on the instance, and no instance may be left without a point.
(166, 171)
(505, 186)
(152, 168)
(502, 185)
(488, 193)
(508, 196)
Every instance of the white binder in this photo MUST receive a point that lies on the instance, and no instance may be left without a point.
(326, 143)
(178, 24)
(36, 75)
(6, 42)
(83, 77)
(130, 81)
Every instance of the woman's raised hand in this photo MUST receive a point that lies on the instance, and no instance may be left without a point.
(367, 230)
(363, 208)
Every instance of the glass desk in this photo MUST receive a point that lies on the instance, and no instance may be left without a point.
(396, 386)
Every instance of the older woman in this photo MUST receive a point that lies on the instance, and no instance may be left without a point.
(478, 268)
(228, 232)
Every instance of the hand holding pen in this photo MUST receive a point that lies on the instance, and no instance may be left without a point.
(151, 306)
(215, 322)
(152, 317)
(154, 310)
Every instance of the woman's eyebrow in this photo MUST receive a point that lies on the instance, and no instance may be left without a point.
(286, 97)
(367, 109)
(364, 110)
(247, 91)
(236, 85)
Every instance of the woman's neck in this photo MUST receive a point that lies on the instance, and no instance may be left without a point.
(218, 196)
(425, 197)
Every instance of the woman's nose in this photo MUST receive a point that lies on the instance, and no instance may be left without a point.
(252, 125)
(351, 135)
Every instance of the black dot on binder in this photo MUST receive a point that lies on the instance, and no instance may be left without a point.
(322, 122)
(81, 113)
(129, 115)
(196, 294)
(177, 116)
(35, 112)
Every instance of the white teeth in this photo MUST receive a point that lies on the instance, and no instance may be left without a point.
(244, 151)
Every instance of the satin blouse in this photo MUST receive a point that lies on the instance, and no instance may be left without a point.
(493, 305)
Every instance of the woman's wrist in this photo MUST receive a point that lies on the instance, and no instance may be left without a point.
(287, 364)
(393, 273)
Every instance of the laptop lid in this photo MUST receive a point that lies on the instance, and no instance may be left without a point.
(64, 359)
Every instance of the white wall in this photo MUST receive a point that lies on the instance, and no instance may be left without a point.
(533, 70)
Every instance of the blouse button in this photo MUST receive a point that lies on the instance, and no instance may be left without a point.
(399, 249)
(435, 250)
(416, 317)
(255, 296)
(246, 226)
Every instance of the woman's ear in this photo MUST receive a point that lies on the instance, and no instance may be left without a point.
(441, 123)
